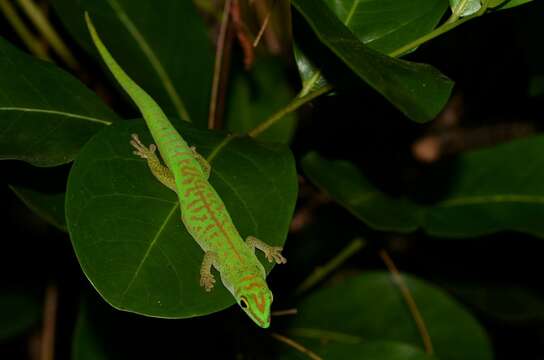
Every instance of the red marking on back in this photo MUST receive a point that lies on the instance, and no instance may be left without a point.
(247, 277)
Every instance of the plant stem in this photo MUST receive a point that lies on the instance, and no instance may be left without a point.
(295, 345)
(33, 44)
(321, 272)
(292, 106)
(219, 52)
(410, 302)
(46, 29)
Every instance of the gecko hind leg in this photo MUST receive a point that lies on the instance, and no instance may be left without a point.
(204, 164)
(161, 172)
(207, 279)
(272, 253)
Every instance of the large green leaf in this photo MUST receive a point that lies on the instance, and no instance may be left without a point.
(126, 229)
(386, 25)
(493, 189)
(162, 45)
(50, 206)
(370, 307)
(46, 115)
(18, 312)
(418, 90)
(256, 95)
(372, 350)
(382, 25)
(513, 3)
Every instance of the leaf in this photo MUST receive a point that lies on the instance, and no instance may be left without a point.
(126, 230)
(370, 308)
(418, 90)
(162, 45)
(465, 7)
(19, 311)
(346, 185)
(507, 303)
(388, 25)
(50, 206)
(372, 350)
(492, 189)
(256, 95)
(513, 3)
(385, 26)
(46, 115)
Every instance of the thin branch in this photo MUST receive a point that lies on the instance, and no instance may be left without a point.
(221, 40)
(321, 272)
(31, 42)
(49, 320)
(295, 345)
(410, 302)
(41, 22)
(264, 25)
(292, 106)
(284, 312)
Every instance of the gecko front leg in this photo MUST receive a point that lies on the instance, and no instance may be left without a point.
(272, 253)
(204, 164)
(207, 279)
(161, 172)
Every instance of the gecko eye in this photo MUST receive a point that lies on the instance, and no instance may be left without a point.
(243, 303)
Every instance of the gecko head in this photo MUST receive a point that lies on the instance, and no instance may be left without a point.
(255, 298)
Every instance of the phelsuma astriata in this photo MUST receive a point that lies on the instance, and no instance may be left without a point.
(202, 210)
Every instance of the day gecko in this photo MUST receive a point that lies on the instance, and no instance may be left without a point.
(202, 210)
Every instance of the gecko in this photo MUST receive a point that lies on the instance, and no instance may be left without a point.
(203, 212)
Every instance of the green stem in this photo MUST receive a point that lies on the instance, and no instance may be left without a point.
(292, 106)
(445, 27)
(33, 44)
(323, 271)
(46, 29)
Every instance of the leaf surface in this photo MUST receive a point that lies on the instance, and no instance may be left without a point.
(357, 316)
(493, 189)
(126, 228)
(46, 115)
(418, 90)
(162, 45)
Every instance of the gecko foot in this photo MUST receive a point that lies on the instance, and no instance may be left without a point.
(207, 281)
(141, 150)
(273, 253)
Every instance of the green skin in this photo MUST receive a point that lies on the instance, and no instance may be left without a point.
(203, 211)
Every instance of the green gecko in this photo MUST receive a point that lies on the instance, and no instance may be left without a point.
(202, 210)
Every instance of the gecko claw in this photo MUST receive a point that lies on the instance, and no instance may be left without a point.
(207, 281)
(141, 150)
(274, 255)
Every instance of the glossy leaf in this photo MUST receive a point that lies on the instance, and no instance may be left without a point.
(418, 90)
(126, 229)
(49, 206)
(258, 94)
(372, 350)
(46, 115)
(492, 190)
(384, 26)
(387, 25)
(465, 7)
(18, 313)
(162, 45)
(356, 314)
